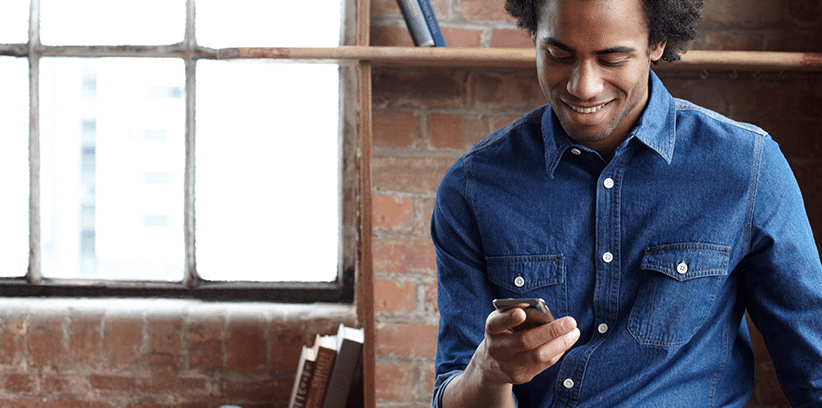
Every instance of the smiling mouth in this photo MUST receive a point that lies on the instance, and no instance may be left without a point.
(593, 109)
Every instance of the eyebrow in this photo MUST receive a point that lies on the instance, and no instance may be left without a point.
(612, 50)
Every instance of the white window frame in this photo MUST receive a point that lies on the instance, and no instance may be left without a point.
(192, 286)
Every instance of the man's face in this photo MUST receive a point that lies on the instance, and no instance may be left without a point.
(593, 62)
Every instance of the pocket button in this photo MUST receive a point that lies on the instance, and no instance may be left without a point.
(682, 268)
(519, 281)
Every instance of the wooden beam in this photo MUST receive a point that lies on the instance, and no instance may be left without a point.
(520, 57)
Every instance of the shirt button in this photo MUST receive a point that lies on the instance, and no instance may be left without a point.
(568, 383)
(519, 281)
(602, 328)
(682, 268)
(607, 257)
(576, 151)
(608, 183)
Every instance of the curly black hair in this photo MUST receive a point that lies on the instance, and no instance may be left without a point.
(673, 21)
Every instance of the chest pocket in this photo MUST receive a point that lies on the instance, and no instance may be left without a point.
(520, 276)
(681, 284)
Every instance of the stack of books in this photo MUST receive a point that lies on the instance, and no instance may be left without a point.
(422, 23)
(329, 374)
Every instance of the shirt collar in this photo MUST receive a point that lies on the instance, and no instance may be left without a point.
(656, 128)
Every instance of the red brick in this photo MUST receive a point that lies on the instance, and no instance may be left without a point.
(246, 344)
(13, 328)
(511, 38)
(747, 13)
(394, 381)
(261, 390)
(60, 385)
(84, 338)
(164, 335)
(394, 297)
(507, 91)
(460, 37)
(419, 87)
(456, 131)
(402, 257)
(286, 341)
(484, 10)
(18, 383)
(394, 129)
(767, 390)
(122, 341)
(45, 341)
(123, 384)
(387, 36)
(392, 212)
(406, 340)
(410, 174)
(738, 41)
(385, 8)
(204, 337)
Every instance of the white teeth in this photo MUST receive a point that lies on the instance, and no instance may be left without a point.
(587, 110)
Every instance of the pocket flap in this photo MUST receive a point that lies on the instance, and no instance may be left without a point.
(687, 260)
(523, 273)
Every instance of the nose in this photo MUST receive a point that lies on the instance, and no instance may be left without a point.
(585, 82)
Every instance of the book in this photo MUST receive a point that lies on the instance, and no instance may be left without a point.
(302, 380)
(349, 354)
(417, 25)
(326, 353)
(432, 23)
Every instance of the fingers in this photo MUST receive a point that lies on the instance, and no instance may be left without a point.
(500, 322)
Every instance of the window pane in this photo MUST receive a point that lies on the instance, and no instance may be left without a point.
(268, 165)
(109, 22)
(14, 167)
(112, 161)
(14, 22)
(247, 23)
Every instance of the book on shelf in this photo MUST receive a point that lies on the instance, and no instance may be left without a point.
(349, 354)
(422, 23)
(326, 352)
(329, 373)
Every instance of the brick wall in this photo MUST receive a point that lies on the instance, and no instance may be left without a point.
(82, 353)
(424, 118)
(154, 353)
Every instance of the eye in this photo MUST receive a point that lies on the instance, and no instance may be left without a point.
(560, 55)
(612, 62)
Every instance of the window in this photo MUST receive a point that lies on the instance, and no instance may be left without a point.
(135, 163)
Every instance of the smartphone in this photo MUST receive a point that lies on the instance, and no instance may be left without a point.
(534, 319)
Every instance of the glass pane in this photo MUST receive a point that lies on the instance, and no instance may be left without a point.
(14, 166)
(110, 22)
(14, 22)
(247, 23)
(268, 166)
(112, 162)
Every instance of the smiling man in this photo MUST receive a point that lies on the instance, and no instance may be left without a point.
(648, 225)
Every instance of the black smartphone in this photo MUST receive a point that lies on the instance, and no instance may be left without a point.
(534, 319)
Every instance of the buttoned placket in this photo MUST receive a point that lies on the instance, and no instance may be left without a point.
(606, 293)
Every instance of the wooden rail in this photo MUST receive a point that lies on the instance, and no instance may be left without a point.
(520, 57)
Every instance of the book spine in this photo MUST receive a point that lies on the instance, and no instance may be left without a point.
(431, 22)
(319, 384)
(415, 20)
(301, 385)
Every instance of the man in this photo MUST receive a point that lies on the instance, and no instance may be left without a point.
(647, 224)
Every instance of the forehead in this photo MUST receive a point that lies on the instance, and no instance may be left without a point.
(592, 22)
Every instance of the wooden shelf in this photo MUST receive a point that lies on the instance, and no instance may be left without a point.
(519, 57)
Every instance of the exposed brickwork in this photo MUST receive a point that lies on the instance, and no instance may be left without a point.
(200, 356)
(453, 108)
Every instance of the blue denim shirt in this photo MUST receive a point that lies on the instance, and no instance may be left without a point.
(656, 254)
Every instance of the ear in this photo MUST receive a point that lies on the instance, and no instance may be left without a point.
(657, 50)
(534, 38)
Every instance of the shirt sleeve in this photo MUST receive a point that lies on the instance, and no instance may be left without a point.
(464, 293)
(783, 279)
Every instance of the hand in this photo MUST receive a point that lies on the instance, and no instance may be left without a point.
(507, 356)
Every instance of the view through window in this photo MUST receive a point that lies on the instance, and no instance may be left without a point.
(111, 153)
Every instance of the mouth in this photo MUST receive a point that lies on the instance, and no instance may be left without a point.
(587, 110)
